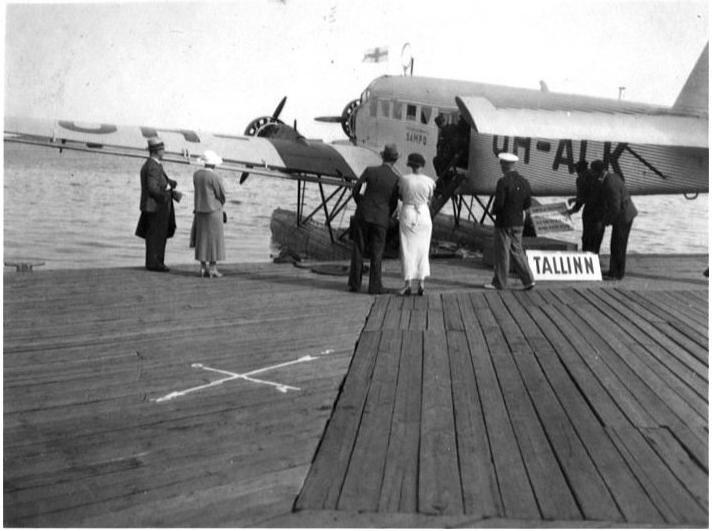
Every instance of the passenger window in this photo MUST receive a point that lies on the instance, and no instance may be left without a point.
(425, 114)
(386, 108)
(397, 110)
(374, 107)
(410, 113)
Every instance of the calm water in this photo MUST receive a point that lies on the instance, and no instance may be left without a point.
(75, 210)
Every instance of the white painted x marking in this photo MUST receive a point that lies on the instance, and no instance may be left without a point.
(282, 388)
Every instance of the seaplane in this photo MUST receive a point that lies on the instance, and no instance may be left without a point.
(458, 126)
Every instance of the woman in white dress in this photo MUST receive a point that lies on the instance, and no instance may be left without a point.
(416, 227)
(207, 235)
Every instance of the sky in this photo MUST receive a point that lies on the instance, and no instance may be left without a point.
(215, 65)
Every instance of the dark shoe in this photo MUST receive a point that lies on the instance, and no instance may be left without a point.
(352, 289)
(405, 291)
(159, 269)
(421, 290)
(529, 286)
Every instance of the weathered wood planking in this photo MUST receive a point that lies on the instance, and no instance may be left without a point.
(86, 352)
(542, 406)
(474, 391)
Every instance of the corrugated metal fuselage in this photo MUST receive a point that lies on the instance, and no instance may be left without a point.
(402, 110)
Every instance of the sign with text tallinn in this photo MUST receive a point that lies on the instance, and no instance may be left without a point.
(563, 265)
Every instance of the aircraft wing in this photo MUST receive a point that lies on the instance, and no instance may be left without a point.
(308, 160)
(663, 129)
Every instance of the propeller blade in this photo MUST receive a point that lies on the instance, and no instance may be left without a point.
(329, 119)
(278, 110)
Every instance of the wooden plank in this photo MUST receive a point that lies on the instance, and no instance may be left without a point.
(554, 498)
(658, 396)
(435, 313)
(653, 343)
(518, 500)
(556, 398)
(323, 484)
(661, 321)
(393, 315)
(621, 399)
(667, 492)
(479, 482)
(695, 479)
(377, 314)
(630, 498)
(361, 489)
(676, 316)
(451, 312)
(399, 492)
(659, 332)
(439, 490)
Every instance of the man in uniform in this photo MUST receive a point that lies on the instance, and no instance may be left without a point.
(619, 212)
(513, 197)
(588, 195)
(370, 222)
(157, 221)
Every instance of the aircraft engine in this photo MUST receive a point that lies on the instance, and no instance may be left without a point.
(263, 125)
(346, 119)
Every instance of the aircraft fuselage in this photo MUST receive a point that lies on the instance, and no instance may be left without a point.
(402, 110)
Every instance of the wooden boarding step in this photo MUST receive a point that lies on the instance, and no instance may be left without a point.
(570, 405)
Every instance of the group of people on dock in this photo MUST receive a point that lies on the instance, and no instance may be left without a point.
(375, 206)
(157, 221)
(377, 194)
(606, 200)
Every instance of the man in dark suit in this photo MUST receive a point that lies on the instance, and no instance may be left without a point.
(370, 222)
(157, 221)
(588, 195)
(619, 212)
(513, 196)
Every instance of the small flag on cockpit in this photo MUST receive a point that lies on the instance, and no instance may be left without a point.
(376, 55)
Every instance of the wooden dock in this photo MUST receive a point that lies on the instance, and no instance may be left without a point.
(272, 397)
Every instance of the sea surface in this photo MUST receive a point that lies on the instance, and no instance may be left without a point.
(79, 210)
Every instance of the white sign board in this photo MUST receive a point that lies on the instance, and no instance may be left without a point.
(551, 217)
(564, 265)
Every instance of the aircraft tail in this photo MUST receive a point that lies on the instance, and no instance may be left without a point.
(694, 96)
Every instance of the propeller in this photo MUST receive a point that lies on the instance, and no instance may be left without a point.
(256, 125)
(345, 119)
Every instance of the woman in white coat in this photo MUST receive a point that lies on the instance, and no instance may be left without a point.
(416, 227)
(208, 235)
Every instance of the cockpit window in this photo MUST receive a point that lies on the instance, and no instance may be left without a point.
(425, 114)
(386, 108)
(374, 107)
(397, 110)
(410, 112)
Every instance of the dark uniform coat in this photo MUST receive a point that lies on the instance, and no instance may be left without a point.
(157, 221)
(370, 223)
(619, 212)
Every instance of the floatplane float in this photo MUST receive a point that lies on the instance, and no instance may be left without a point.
(459, 127)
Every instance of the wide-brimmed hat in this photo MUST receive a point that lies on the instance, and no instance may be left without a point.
(507, 157)
(210, 158)
(390, 153)
(155, 144)
(416, 159)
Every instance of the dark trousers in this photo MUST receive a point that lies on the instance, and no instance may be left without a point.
(619, 247)
(156, 236)
(508, 242)
(592, 235)
(366, 236)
